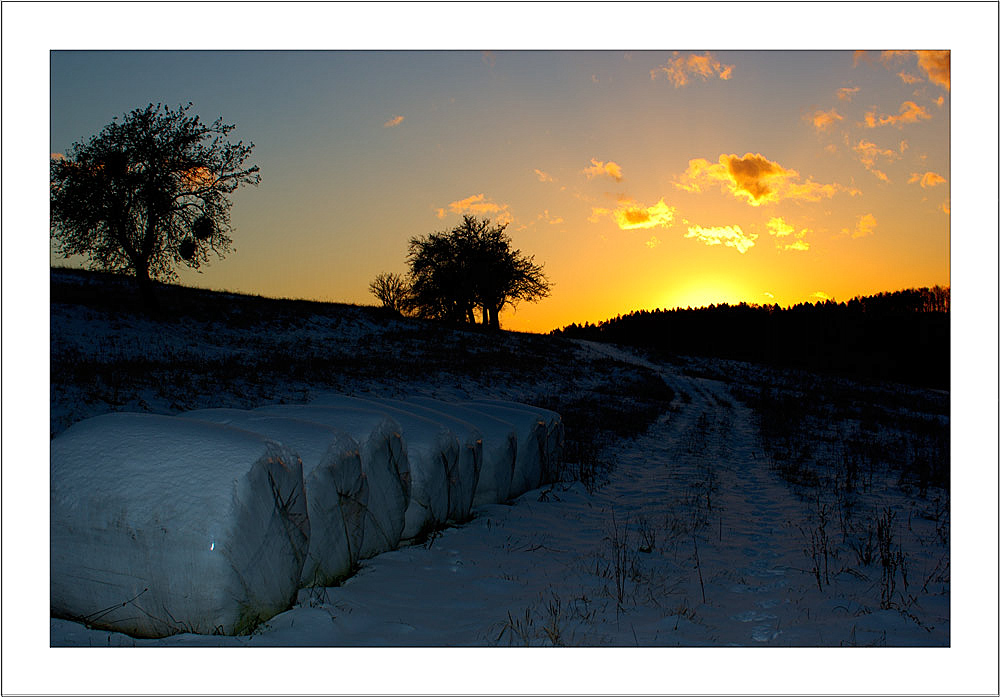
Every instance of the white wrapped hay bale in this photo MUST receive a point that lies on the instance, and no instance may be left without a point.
(336, 491)
(555, 433)
(531, 443)
(433, 453)
(499, 448)
(162, 525)
(464, 476)
(384, 464)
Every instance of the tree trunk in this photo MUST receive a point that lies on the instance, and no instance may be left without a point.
(146, 293)
(494, 317)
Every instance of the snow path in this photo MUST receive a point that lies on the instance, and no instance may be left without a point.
(617, 566)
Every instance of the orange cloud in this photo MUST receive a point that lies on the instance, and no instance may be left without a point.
(865, 226)
(653, 242)
(782, 231)
(909, 112)
(753, 178)
(597, 168)
(927, 179)
(631, 215)
(680, 69)
(945, 207)
(57, 156)
(478, 204)
(868, 153)
(820, 295)
(909, 79)
(543, 177)
(729, 236)
(549, 219)
(394, 121)
(821, 120)
(936, 65)
(846, 93)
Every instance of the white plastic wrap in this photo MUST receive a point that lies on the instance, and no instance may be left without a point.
(464, 479)
(433, 453)
(336, 491)
(162, 525)
(554, 435)
(532, 435)
(384, 463)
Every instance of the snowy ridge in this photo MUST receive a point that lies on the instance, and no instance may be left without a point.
(209, 522)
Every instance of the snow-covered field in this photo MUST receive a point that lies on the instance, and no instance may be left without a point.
(696, 537)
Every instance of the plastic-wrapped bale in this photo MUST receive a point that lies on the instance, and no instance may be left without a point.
(499, 448)
(464, 476)
(336, 491)
(531, 443)
(433, 453)
(161, 525)
(554, 436)
(384, 464)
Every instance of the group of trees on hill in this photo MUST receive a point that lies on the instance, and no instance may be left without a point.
(454, 274)
(902, 335)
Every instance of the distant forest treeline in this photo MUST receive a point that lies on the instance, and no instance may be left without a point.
(903, 336)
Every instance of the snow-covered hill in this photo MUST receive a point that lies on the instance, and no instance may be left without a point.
(683, 515)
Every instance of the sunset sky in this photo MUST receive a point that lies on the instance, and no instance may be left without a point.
(359, 151)
(640, 179)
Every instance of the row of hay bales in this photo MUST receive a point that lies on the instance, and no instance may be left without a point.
(212, 520)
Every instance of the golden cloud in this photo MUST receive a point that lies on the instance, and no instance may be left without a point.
(846, 93)
(653, 242)
(909, 112)
(543, 177)
(909, 79)
(868, 153)
(729, 236)
(478, 204)
(927, 179)
(820, 295)
(754, 178)
(680, 69)
(597, 168)
(935, 64)
(549, 219)
(57, 156)
(631, 215)
(394, 121)
(865, 226)
(821, 120)
(782, 230)
(945, 207)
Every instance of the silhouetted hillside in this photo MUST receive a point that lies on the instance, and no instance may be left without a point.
(902, 336)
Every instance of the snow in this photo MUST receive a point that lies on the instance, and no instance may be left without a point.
(336, 492)
(162, 525)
